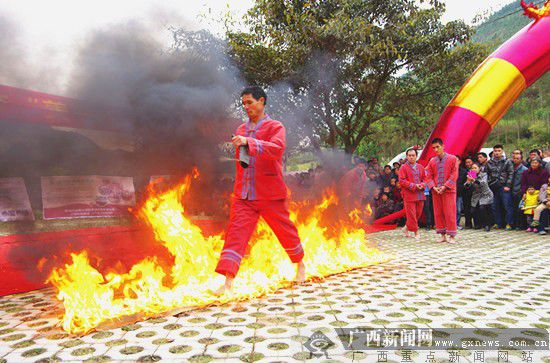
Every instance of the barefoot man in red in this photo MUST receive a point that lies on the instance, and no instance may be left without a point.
(411, 179)
(442, 173)
(259, 190)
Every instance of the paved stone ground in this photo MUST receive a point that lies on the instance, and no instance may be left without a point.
(496, 279)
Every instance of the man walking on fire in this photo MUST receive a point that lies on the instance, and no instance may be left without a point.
(259, 190)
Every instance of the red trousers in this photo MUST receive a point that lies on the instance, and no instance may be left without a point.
(413, 210)
(244, 216)
(445, 213)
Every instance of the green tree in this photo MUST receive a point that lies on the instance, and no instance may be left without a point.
(353, 63)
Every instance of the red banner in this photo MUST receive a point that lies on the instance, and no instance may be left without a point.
(21, 105)
(92, 196)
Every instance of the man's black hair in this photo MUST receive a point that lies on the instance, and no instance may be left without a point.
(498, 146)
(387, 166)
(411, 149)
(482, 154)
(256, 91)
(468, 157)
(520, 152)
(437, 140)
(535, 151)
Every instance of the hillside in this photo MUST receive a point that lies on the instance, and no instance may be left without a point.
(502, 24)
(527, 123)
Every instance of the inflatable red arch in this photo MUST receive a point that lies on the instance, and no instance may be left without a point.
(491, 90)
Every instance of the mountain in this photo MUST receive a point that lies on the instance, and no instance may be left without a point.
(502, 24)
(527, 123)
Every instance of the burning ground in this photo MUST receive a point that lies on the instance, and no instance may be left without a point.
(152, 287)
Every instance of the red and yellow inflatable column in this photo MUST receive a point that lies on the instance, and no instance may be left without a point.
(471, 115)
(495, 85)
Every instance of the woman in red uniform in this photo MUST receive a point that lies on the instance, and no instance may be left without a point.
(259, 190)
(442, 173)
(411, 180)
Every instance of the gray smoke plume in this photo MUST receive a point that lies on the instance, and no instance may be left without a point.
(16, 69)
(176, 102)
(13, 67)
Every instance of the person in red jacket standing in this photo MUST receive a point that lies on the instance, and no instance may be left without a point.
(259, 190)
(351, 187)
(412, 182)
(442, 174)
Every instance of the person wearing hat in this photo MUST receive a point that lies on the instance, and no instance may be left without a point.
(259, 190)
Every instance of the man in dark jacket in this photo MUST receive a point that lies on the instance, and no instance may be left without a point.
(519, 169)
(482, 161)
(386, 176)
(467, 194)
(460, 191)
(499, 171)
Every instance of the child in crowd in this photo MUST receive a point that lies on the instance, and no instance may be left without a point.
(530, 202)
(386, 206)
(482, 196)
(544, 203)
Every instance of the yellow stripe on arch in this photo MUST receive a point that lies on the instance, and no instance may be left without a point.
(491, 90)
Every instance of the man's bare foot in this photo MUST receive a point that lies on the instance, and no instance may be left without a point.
(443, 239)
(405, 232)
(301, 272)
(417, 235)
(452, 240)
(225, 288)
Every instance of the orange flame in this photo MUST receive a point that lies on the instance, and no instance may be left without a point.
(149, 288)
(533, 11)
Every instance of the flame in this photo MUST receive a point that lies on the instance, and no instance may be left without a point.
(41, 263)
(150, 288)
(533, 12)
(369, 210)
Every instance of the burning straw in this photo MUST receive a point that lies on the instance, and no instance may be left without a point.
(150, 288)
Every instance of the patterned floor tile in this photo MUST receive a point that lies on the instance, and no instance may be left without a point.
(488, 280)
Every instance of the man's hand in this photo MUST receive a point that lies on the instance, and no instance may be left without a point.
(419, 186)
(506, 189)
(442, 189)
(239, 140)
(437, 190)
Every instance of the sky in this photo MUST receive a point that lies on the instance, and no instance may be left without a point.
(52, 30)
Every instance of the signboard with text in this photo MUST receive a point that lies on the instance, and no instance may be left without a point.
(14, 201)
(91, 196)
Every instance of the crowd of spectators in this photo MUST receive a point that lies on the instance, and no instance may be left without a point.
(493, 191)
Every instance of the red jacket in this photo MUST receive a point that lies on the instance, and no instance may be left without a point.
(352, 184)
(409, 178)
(442, 172)
(263, 179)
